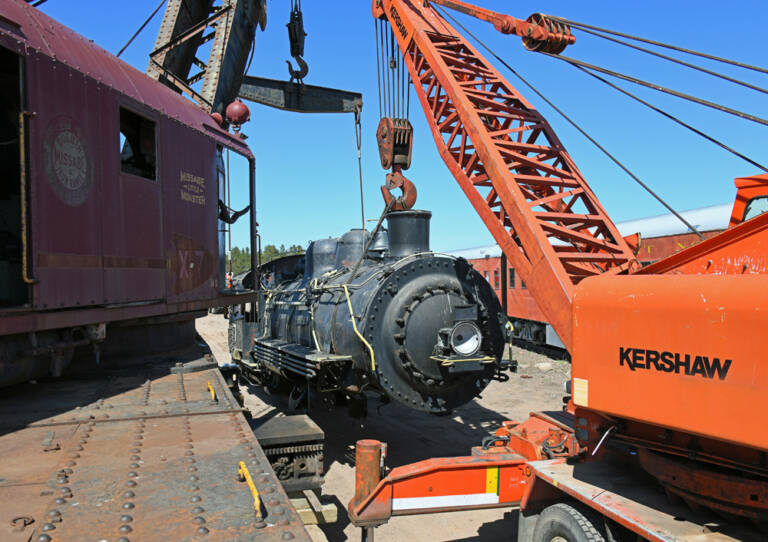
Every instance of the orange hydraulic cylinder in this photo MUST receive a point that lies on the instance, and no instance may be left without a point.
(683, 352)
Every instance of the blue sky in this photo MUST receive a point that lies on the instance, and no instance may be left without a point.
(307, 164)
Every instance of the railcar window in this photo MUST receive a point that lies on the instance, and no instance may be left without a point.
(511, 278)
(138, 150)
(756, 206)
(496, 279)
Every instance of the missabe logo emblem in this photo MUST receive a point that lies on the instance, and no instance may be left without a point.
(674, 362)
(68, 165)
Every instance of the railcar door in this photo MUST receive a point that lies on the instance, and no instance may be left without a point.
(134, 257)
(13, 188)
(65, 142)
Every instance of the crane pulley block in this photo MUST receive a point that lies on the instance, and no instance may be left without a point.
(395, 139)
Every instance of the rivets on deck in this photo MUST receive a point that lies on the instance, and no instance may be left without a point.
(130, 483)
(199, 520)
(123, 539)
(182, 393)
(195, 498)
(198, 510)
(129, 495)
(125, 518)
(48, 527)
(202, 530)
(43, 538)
(125, 529)
(128, 506)
(147, 386)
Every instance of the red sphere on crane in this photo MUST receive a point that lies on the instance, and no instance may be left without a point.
(237, 113)
(218, 119)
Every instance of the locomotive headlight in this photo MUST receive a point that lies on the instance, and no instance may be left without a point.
(466, 338)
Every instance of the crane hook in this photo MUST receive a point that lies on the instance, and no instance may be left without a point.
(296, 37)
(397, 180)
(299, 74)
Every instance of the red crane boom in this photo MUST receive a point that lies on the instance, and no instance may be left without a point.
(509, 163)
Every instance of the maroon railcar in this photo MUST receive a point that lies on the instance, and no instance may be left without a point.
(110, 195)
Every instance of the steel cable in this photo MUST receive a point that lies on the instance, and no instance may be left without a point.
(677, 61)
(574, 124)
(659, 88)
(152, 16)
(378, 63)
(582, 26)
(674, 119)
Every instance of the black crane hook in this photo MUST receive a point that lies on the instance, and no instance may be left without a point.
(299, 74)
(296, 37)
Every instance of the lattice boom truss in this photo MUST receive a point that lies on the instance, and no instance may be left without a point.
(509, 163)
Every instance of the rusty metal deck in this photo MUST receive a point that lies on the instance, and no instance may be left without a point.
(137, 453)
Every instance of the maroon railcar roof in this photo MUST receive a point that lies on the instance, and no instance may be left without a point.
(51, 38)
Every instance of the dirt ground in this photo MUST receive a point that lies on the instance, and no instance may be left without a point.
(413, 436)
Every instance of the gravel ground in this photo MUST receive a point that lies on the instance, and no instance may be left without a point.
(414, 436)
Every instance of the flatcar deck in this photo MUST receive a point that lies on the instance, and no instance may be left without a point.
(146, 452)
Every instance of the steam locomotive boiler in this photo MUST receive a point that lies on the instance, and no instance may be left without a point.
(357, 314)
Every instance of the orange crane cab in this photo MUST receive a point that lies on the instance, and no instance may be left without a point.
(751, 198)
(663, 437)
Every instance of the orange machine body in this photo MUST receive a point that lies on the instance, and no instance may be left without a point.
(681, 352)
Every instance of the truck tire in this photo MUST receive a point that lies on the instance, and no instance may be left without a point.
(563, 522)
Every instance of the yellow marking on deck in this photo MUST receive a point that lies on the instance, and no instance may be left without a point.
(244, 475)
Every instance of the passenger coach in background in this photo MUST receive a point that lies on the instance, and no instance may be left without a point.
(655, 238)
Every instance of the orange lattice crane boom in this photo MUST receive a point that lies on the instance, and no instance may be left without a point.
(506, 157)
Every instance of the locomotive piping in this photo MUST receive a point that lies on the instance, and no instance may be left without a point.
(359, 335)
